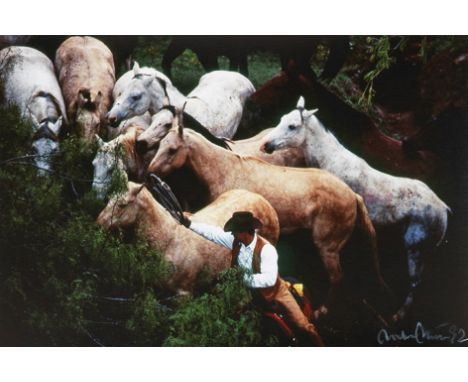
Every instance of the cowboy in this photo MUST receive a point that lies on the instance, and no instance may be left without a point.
(260, 259)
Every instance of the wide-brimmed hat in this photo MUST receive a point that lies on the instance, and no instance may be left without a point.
(242, 221)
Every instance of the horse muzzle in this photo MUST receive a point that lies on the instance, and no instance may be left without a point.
(267, 147)
(113, 120)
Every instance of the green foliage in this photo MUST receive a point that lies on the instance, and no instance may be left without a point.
(66, 281)
(219, 318)
(379, 56)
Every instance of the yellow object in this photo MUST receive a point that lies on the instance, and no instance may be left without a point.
(299, 288)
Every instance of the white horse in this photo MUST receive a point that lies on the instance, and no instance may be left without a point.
(162, 122)
(31, 85)
(118, 155)
(217, 102)
(389, 199)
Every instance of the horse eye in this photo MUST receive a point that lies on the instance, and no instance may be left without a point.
(291, 127)
(168, 125)
(172, 151)
(136, 97)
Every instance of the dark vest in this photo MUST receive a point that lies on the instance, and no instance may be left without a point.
(266, 293)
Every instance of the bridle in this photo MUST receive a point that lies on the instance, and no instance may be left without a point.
(44, 131)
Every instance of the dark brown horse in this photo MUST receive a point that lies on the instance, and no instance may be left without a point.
(296, 48)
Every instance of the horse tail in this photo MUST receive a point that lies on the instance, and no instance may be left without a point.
(368, 237)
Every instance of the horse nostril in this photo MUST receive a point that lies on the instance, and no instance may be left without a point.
(112, 120)
(141, 147)
(268, 147)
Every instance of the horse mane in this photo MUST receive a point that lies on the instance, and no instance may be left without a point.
(126, 140)
(147, 71)
(326, 130)
(193, 124)
(250, 158)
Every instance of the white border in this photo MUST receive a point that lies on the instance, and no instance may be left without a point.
(233, 17)
(231, 364)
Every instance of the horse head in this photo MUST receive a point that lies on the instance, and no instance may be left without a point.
(88, 119)
(161, 123)
(45, 142)
(291, 130)
(145, 91)
(173, 150)
(105, 163)
(122, 210)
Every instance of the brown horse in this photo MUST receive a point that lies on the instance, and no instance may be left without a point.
(291, 157)
(162, 122)
(86, 72)
(220, 211)
(309, 199)
(355, 129)
(188, 252)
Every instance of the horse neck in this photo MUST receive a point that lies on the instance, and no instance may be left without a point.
(131, 161)
(176, 98)
(321, 147)
(154, 223)
(210, 163)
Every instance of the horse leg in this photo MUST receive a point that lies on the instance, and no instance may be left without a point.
(243, 64)
(331, 262)
(330, 236)
(208, 60)
(414, 237)
(174, 50)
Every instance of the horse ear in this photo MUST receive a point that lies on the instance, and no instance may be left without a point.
(300, 103)
(148, 79)
(35, 122)
(181, 131)
(99, 140)
(136, 190)
(136, 69)
(97, 98)
(309, 113)
(57, 125)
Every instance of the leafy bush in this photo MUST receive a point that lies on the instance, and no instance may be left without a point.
(219, 318)
(65, 281)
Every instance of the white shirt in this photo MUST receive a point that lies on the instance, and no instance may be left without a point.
(268, 256)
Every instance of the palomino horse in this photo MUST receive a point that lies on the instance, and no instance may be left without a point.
(220, 211)
(309, 199)
(188, 252)
(86, 72)
(352, 127)
(390, 200)
(128, 163)
(31, 85)
(162, 123)
(217, 102)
